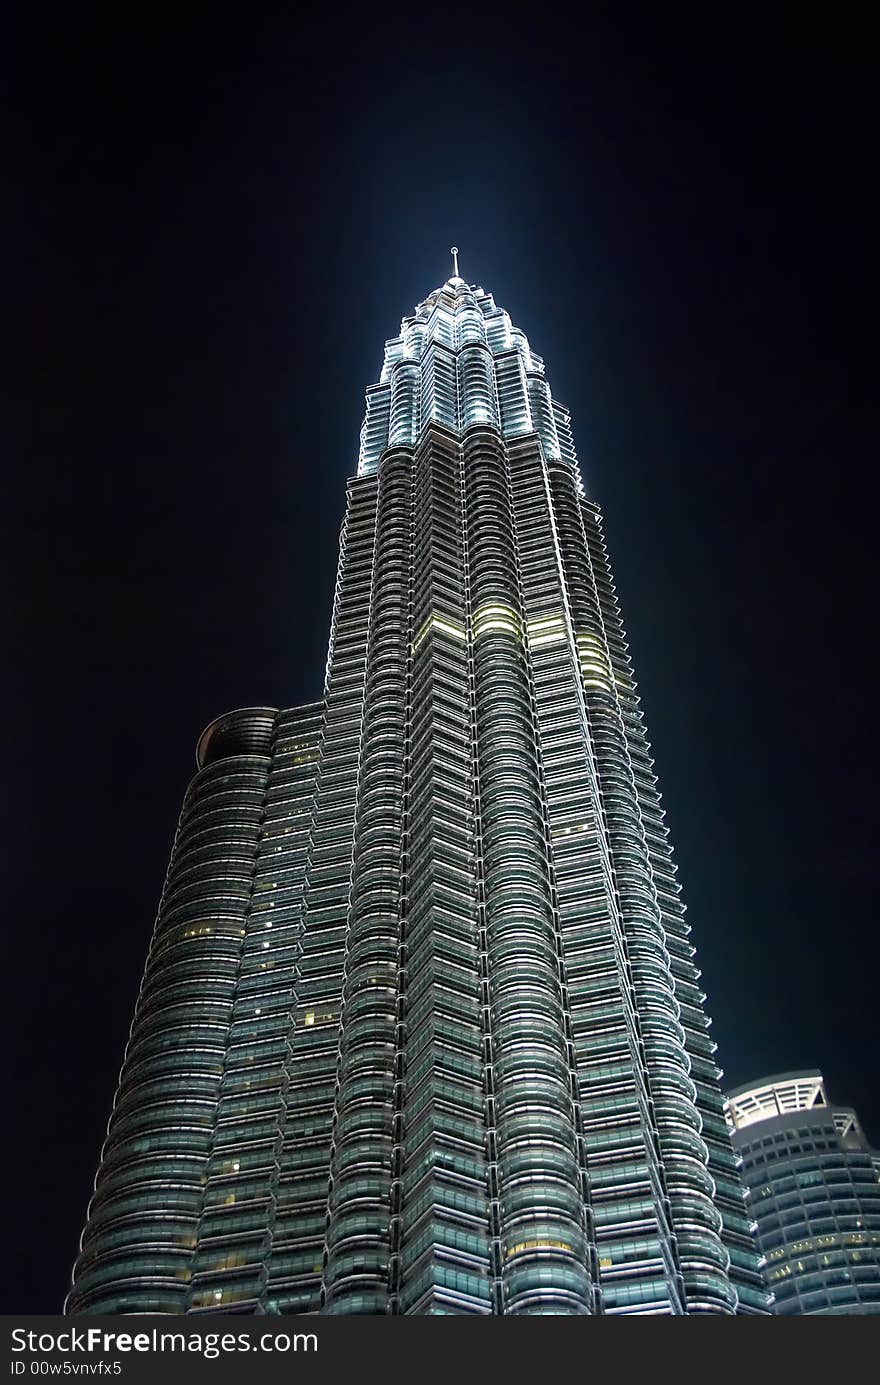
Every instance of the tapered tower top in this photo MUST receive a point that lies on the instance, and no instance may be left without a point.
(459, 361)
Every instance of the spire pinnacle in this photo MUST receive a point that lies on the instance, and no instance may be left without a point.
(454, 253)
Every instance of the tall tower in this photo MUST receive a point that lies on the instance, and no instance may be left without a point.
(420, 1029)
(814, 1189)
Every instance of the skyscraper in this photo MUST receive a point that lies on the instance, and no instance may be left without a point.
(420, 1029)
(814, 1186)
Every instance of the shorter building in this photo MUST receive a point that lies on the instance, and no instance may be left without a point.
(814, 1189)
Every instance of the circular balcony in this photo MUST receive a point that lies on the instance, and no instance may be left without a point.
(247, 731)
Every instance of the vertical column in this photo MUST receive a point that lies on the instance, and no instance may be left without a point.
(444, 1242)
(404, 423)
(543, 1247)
(478, 398)
(439, 389)
(358, 1239)
(541, 402)
(270, 1006)
(315, 1034)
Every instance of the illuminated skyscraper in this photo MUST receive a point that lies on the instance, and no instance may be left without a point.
(814, 1186)
(420, 1029)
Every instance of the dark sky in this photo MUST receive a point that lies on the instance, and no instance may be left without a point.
(211, 224)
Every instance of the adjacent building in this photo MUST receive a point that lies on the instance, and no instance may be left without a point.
(421, 1030)
(814, 1190)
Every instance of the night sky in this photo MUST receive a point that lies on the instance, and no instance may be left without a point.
(211, 224)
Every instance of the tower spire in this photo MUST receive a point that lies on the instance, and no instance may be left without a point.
(454, 253)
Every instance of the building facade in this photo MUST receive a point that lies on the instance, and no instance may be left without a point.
(814, 1190)
(420, 1030)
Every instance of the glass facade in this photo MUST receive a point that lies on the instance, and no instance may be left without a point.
(814, 1189)
(421, 1030)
